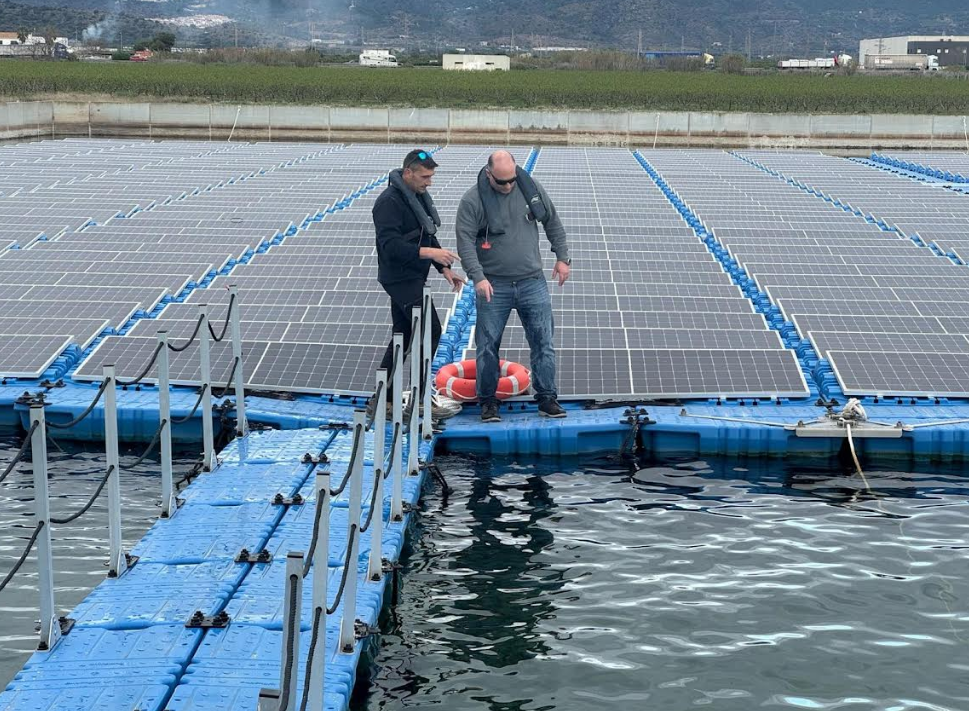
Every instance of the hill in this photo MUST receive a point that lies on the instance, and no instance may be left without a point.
(774, 27)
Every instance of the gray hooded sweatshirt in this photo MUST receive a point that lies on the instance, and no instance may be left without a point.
(515, 254)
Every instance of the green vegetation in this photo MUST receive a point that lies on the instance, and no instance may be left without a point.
(704, 91)
(161, 42)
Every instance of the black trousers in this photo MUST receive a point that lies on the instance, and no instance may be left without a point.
(404, 296)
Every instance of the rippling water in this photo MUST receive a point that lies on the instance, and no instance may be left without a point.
(80, 548)
(537, 586)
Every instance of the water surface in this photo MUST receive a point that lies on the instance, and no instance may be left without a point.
(709, 584)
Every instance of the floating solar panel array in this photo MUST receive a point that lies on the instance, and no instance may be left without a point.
(866, 296)
(314, 318)
(182, 202)
(649, 312)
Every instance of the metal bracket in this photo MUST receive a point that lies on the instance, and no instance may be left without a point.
(59, 383)
(361, 630)
(387, 566)
(130, 561)
(280, 500)
(199, 620)
(407, 507)
(28, 399)
(66, 625)
(314, 459)
(338, 426)
(178, 504)
(859, 430)
(262, 556)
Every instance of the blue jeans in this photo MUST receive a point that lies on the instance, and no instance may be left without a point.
(530, 298)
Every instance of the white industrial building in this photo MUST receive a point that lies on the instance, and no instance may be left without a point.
(952, 50)
(477, 62)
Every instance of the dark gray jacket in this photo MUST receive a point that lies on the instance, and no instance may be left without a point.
(515, 254)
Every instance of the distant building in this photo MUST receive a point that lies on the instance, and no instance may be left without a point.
(952, 50)
(477, 62)
(9, 39)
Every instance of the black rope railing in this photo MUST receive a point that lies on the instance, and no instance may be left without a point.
(191, 339)
(393, 445)
(290, 657)
(195, 408)
(353, 460)
(87, 411)
(308, 676)
(151, 446)
(347, 566)
(147, 369)
(87, 507)
(23, 556)
(232, 374)
(225, 326)
(373, 505)
(20, 453)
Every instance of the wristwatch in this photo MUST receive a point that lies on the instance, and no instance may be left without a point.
(567, 262)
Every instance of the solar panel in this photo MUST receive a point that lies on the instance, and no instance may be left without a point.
(29, 356)
(908, 374)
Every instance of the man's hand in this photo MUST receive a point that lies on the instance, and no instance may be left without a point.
(561, 272)
(444, 257)
(456, 281)
(484, 288)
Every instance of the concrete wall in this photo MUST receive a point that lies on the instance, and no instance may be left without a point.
(623, 128)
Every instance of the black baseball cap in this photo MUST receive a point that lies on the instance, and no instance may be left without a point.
(424, 158)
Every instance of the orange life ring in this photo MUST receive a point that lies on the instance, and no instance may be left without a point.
(457, 380)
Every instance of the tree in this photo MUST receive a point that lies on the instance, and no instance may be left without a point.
(50, 34)
(733, 64)
(22, 34)
(162, 42)
(140, 45)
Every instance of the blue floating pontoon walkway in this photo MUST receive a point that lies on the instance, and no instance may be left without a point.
(130, 648)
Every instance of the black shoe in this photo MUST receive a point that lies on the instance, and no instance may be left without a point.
(551, 408)
(489, 412)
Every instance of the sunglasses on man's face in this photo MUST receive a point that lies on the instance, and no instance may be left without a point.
(510, 181)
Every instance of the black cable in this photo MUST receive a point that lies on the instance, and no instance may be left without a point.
(232, 375)
(89, 504)
(375, 399)
(373, 505)
(23, 556)
(316, 535)
(147, 369)
(20, 453)
(347, 564)
(180, 420)
(87, 411)
(225, 327)
(290, 660)
(191, 339)
(353, 460)
(308, 676)
(151, 446)
(393, 445)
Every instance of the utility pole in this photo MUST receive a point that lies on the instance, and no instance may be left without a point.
(237, 36)
(639, 47)
(749, 57)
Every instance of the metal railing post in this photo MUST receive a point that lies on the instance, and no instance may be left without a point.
(292, 607)
(320, 572)
(427, 424)
(347, 631)
(397, 422)
(117, 563)
(235, 323)
(169, 505)
(413, 437)
(205, 364)
(50, 629)
(375, 568)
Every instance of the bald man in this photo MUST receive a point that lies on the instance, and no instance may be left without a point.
(499, 246)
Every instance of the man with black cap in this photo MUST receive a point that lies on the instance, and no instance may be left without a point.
(497, 232)
(406, 223)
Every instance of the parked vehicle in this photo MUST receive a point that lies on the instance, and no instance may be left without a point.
(377, 58)
(902, 62)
